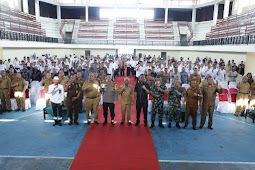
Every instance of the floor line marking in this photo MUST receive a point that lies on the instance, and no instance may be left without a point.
(22, 116)
(41, 157)
(205, 162)
(236, 120)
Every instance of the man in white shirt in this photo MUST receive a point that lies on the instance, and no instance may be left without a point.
(221, 74)
(232, 75)
(57, 100)
(2, 66)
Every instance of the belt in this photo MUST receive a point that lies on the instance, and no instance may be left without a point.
(243, 93)
(3, 88)
(91, 97)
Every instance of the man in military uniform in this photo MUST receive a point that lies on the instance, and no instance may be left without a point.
(101, 77)
(46, 83)
(73, 90)
(92, 93)
(193, 92)
(110, 98)
(174, 101)
(195, 76)
(5, 84)
(126, 91)
(157, 92)
(11, 74)
(80, 80)
(209, 91)
(242, 97)
(19, 85)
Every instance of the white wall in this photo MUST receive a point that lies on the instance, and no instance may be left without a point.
(238, 57)
(20, 53)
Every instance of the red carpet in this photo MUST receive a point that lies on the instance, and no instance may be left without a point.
(117, 147)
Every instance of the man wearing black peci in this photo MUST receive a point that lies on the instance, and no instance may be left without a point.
(141, 95)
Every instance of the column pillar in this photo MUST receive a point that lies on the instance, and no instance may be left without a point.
(25, 6)
(194, 15)
(37, 10)
(87, 13)
(59, 14)
(226, 8)
(215, 13)
(166, 15)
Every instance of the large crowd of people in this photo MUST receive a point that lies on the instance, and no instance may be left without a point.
(68, 80)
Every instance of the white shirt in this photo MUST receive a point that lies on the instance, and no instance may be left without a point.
(221, 75)
(58, 94)
(2, 67)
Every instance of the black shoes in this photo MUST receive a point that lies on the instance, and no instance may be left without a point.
(177, 125)
(105, 122)
(137, 122)
(89, 122)
(113, 123)
(160, 124)
(70, 123)
(194, 128)
(23, 110)
(169, 125)
(152, 125)
(56, 122)
(184, 127)
(209, 127)
(17, 110)
(9, 110)
(96, 122)
(145, 124)
(121, 123)
(200, 127)
(59, 123)
(75, 122)
(130, 123)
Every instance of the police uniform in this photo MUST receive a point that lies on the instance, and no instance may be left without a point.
(157, 102)
(46, 83)
(18, 92)
(126, 100)
(195, 77)
(191, 106)
(209, 94)
(174, 101)
(110, 95)
(73, 106)
(80, 81)
(252, 99)
(12, 76)
(92, 99)
(5, 83)
(242, 98)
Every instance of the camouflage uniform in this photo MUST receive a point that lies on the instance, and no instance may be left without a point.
(175, 103)
(101, 79)
(157, 102)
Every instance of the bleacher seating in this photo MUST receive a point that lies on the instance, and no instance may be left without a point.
(126, 28)
(93, 29)
(16, 21)
(158, 30)
(233, 26)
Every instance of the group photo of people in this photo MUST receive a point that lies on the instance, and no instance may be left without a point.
(162, 86)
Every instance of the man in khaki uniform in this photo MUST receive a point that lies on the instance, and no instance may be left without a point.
(73, 90)
(11, 74)
(19, 85)
(46, 83)
(126, 92)
(63, 80)
(242, 97)
(209, 91)
(195, 76)
(193, 92)
(80, 81)
(92, 93)
(5, 84)
(252, 99)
